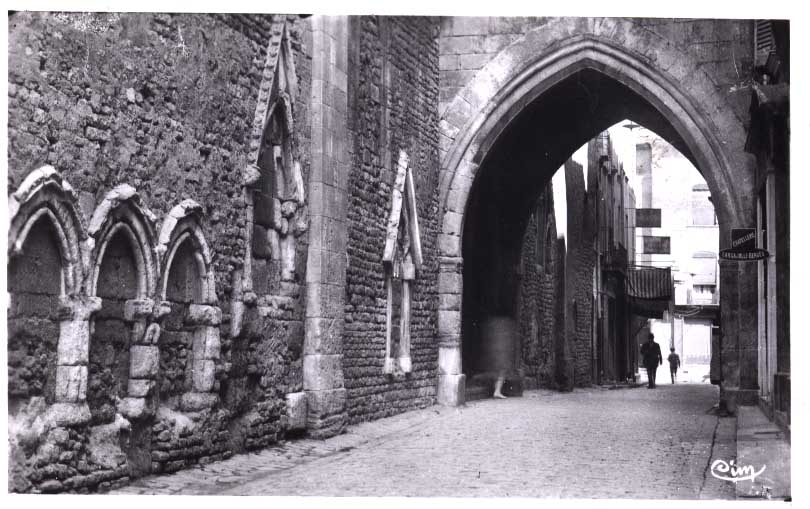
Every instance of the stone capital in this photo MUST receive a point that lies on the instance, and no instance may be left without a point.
(137, 309)
(203, 314)
(161, 309)
(77, 307)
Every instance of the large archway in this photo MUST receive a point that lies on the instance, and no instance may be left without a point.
(527, 110)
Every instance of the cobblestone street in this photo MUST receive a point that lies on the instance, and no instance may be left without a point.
(592, 443)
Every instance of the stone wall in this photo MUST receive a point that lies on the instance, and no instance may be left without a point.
(392, 102)
(538, 295)
(722, 47)
(580, 263)
(144, 123)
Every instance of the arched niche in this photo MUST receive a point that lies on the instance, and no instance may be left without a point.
(189, 342)
(123, 271)
(49, 313)
(35, 284)
(45, 194)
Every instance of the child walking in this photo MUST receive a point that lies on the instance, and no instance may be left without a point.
(674, 363)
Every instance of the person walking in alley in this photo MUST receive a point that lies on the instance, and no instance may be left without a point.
(651, 354)
(674, 363)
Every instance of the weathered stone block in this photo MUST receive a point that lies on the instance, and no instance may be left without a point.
(449, 322)
(322, 372)
(196, 401)
(449, 245)
(450, 301)
(134, 408)
(323, 404)
(461, 45)
(144, 361)
(74, 342)
(139, 388)
(202, 314)
(206, 343)
(69, 414)
(297, 410)
(449, 360)
(135, 309)
(323, 335)
(450, 391)
(71, 383)
(203, 375)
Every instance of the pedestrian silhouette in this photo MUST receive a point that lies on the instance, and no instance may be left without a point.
(651, 355)
(674, 364)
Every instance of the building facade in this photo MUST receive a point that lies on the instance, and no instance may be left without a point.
(686, 239)
(225, 230)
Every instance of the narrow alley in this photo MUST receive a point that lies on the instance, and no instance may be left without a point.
(590, 443)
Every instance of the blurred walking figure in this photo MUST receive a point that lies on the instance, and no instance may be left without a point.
(674, 364)
(651, 354)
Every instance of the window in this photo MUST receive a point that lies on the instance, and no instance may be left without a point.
(702, 208)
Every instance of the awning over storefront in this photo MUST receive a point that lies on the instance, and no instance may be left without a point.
(649, 291)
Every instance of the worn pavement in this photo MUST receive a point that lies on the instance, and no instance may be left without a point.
(590, 443)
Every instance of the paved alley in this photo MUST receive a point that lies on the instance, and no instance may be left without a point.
(592, 443)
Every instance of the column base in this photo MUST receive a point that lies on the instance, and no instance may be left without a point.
(450, 391)
(326, 412)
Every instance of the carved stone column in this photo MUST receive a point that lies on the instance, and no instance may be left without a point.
(205, 355)
(144, 359)
(73, 352)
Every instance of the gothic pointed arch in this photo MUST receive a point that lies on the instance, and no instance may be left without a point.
(672, 93)
(122, 211)
(44, 194)
(182, 224)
